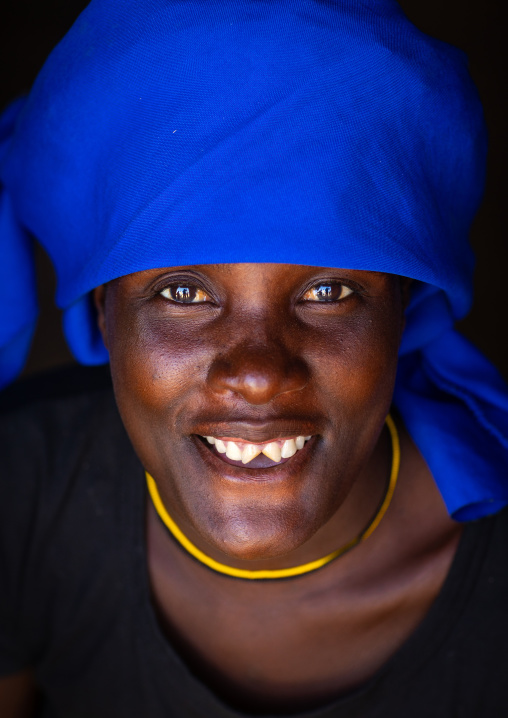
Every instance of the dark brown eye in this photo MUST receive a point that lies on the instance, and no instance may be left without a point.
(327, 292)
(185, 294)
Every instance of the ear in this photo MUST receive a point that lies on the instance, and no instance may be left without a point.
(99, 299)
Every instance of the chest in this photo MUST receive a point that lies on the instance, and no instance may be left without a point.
(287, 645)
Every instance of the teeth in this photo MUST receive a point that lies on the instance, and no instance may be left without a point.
(233, 451)
(288, 448)
(250, 452)
(273, 451)
(245, 452)
(220, 446)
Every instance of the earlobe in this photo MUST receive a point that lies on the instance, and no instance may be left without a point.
(99, 299)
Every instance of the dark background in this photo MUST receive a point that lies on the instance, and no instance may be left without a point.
(30, 28)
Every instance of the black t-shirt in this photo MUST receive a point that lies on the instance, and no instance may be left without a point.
(75, 599)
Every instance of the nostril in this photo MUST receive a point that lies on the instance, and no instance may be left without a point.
(258, 376)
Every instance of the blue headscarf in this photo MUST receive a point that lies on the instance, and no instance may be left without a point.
(174, 132)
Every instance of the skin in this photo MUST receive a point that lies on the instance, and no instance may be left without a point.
(256, 361)
(261, 359)
(18, 695)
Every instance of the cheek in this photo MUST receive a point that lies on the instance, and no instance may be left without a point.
(155, 362)
(355, 361)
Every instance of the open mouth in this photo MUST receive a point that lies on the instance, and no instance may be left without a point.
(240, 452)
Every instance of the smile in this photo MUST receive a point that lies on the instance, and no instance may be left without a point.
(244, 451)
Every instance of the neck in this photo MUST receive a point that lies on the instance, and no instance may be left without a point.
(293, 570)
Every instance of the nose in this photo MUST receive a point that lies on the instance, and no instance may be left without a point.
(258, 373)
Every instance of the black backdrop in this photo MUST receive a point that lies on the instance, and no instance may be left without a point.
(30, 28)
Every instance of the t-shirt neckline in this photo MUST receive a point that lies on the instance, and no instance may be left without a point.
(427, 638)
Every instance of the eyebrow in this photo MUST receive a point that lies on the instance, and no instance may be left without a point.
(221, 267)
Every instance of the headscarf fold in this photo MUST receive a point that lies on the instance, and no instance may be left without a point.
(18, 284)
(175, 132)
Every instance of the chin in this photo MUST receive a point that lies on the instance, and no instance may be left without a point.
(257, 534)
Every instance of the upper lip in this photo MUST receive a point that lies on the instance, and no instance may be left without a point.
(257, 432)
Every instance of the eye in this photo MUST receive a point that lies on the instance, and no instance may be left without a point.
(185, 294)
(327, 292)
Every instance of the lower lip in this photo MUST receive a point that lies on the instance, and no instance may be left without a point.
(235, 471)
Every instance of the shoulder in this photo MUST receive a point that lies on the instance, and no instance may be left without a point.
(491, 543)
(64, 451)
(476, 616)
(53, 429)
(67, 465)
(56, 392)
(45, 424)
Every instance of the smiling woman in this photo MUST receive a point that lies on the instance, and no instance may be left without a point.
(286, 491)
(270, 353)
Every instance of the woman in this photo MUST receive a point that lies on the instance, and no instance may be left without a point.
(258, 213)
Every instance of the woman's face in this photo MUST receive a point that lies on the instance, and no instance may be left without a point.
(251, 355)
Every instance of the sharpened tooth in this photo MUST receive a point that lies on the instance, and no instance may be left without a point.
(210, 439)
(273, 452)
(233, 451)
(307, 437)
(288, 449)
(250, 452)
(300, 441)
(220, 446)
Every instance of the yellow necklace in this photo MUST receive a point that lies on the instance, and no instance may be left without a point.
(295, 570)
